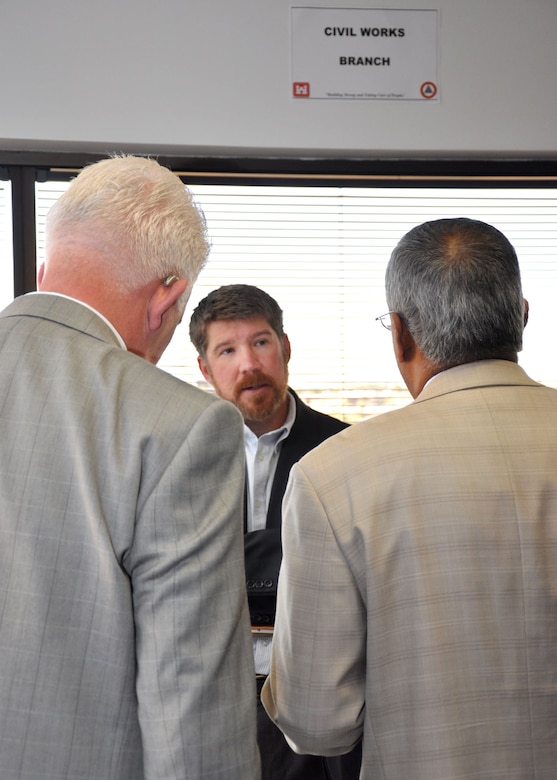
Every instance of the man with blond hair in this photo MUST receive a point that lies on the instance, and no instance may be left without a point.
(124, 632)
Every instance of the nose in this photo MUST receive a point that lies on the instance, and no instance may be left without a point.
(249, 361)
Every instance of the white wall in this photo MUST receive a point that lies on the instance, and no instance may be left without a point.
(213, 76)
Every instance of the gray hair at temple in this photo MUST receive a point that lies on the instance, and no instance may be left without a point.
(233, 302)
(137, 215)
(456, 285)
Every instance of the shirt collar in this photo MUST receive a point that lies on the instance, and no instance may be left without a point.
(82, 303)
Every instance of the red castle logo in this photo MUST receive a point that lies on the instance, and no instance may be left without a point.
(300, 89)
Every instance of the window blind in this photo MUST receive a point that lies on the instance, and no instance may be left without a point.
(322, 252)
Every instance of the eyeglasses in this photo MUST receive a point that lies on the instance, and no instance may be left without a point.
(385, 320)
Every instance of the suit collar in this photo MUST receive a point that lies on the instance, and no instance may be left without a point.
(64, 311)
(482, 373)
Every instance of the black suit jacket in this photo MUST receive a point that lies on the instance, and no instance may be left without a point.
(263, 549)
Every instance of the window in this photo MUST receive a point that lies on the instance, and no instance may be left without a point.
(322, 251)
(6, 250)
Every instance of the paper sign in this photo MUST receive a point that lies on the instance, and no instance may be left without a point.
(364, 54)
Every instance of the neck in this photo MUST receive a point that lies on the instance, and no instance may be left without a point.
(119, 307)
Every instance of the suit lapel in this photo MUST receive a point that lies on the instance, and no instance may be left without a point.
(292, 449)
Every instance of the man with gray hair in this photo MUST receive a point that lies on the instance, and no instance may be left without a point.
(417, 601)
(125, 647)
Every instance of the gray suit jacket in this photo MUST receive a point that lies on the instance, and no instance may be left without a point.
(417, 602)
(125, 650)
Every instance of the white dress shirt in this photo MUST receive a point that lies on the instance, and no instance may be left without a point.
(262, 454)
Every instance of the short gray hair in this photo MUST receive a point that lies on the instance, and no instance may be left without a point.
(140, 217)
(456, 285)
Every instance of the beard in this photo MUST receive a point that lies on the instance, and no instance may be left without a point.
(262, 406)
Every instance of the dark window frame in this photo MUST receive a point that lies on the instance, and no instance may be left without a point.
(25, 168)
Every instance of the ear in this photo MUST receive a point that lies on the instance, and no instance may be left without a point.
(204, 369)
(40, 274)
(286, 347)
(164, 297)
(403, 343)
(526, 312)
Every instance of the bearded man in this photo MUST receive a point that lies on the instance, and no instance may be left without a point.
(243, 353)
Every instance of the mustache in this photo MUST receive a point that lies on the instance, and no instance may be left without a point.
(253, 379)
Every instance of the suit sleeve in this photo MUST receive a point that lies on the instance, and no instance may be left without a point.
(315, 692)
(195, 679)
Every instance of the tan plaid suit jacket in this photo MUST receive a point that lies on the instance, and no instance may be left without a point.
(417, 603)
(125, 651)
